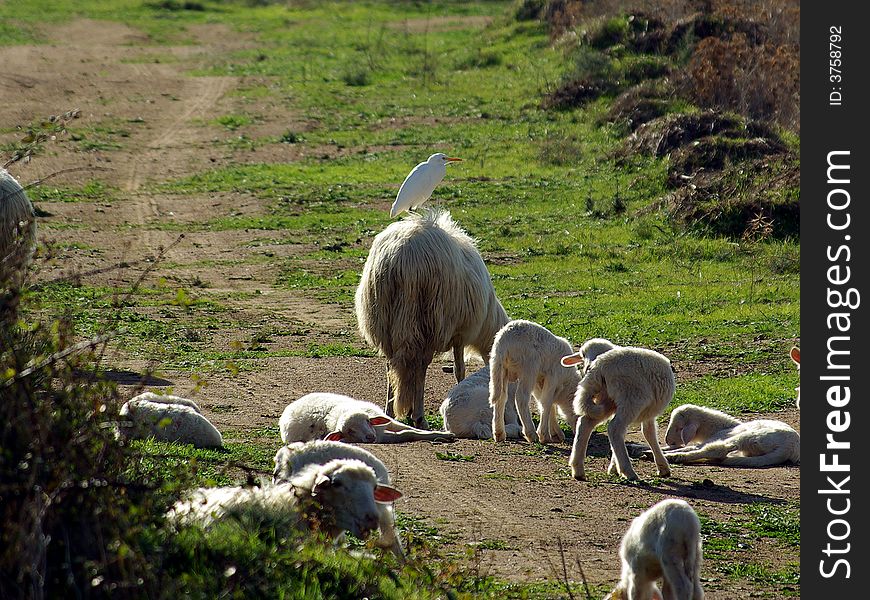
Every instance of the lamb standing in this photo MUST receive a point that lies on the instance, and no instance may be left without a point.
(697, 434)
(664, 541)
(339, 496)
(342, 418)
(529, 354)
(169, 418)
(17, 228)
(297, 456)
(467, 413)
(425, 289)
(632, 385)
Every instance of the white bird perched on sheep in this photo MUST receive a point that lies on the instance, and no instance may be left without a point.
(297, 456)
(169, 418)
(631, 385)
(697, 434)
(795, 354)
(421, 182)
(529, 353)
(662, 542)
(336, 417)
(341, 495)
(467, 413)
(17, 228)
(425, 289)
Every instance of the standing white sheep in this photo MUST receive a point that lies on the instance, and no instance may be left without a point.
(425, 289)
(529, 354)
(662, 542)
(297, 456)
(17, 228)
(697, 434)
(795, 354)
(342, 418)
(467, 413)
(169, 418)
(631, 385)
(341, 495)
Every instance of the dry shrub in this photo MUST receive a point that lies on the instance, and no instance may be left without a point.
(762, 82)
(640, 104)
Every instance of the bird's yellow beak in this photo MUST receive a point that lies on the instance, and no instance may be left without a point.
(453, 159)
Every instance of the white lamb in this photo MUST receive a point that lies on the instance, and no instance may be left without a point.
(467, 413)
(795, 355)
(632, 385)
(662, 542)
(697, 434)
(297, 456)
(341, 495)
(529, 354)
(169, 419)
(342, 418)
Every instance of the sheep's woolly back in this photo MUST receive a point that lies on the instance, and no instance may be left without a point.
(425, 289)
(627, 374)
(169, 419)
(17, 227)
(294, 457)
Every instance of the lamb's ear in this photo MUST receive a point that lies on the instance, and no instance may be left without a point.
(382, 420)
(335, 436)
(386, 493)
(321, 484)
(688, 433)
(795, 355)
(572, 359)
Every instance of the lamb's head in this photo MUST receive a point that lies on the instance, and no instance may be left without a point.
(357, 428)
(349, 493)
(682, 427)
(589, 351)
(795, 355)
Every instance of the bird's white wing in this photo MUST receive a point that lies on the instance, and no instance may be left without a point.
(417, 187)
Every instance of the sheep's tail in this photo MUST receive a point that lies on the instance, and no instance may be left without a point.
(497, 384)
(591, 399)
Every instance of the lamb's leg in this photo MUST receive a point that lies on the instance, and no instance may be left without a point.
(714, 452)
(388, 406)
(585, 426)
(547, 415)
(556, 431)
(498, 401)
(676, 582)
(650, 434)
(459, 362)
(616, 430)
(411, 434)
(524, 410)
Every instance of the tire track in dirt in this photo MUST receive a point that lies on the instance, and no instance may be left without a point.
(201, 95)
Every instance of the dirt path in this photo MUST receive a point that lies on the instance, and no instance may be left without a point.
(511, 501)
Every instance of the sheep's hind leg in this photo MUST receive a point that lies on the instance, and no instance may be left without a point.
(523, 400)
(548, 415)
(585, 426)
(459, 362)
(648, 428)
(616, 430)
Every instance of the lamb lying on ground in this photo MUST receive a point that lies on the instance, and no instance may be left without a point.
(341, 495)
(529, 354)
(168, 419)
(697, 434)
(631, 385)
(297, 456)
(664, 541)
(467, 413)
(342, 418)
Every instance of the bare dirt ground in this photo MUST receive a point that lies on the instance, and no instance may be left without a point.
(513, 494)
